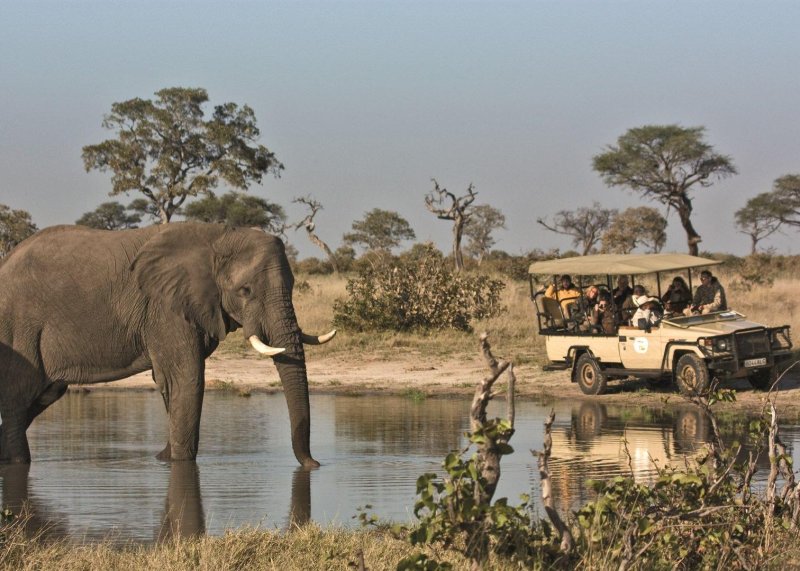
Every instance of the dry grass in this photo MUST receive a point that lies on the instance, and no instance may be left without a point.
(305, 548)
(314, 307)
(773, 305)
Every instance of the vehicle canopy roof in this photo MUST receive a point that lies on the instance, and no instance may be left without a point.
(620, 264)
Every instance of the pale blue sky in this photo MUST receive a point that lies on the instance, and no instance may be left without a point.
(365, 102)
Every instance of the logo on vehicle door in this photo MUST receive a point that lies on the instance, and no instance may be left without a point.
(640, 344)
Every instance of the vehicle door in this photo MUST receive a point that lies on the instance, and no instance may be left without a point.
(639, 349)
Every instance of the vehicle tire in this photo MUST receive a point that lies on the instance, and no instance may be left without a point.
(589, 421)
(691, 429)
(691, 375)
(590, 377)
(763, 378)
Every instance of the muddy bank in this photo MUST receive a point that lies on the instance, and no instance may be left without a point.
(413, 374)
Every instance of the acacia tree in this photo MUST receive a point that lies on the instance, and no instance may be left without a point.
(585, 225)
(760, 218)
(167, 150)
(379, 231)
(110, 216)
(15, 226)
(308, 223)
(634, 227)
(786, 192)
(446, 206)
(664, 163)
(237, 209)
(478, 229)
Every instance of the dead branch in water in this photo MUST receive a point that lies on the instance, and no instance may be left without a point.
(489, 452)
(567, 541)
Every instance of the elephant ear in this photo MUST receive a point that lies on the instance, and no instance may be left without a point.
(175, 270)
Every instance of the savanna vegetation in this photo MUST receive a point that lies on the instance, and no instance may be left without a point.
(168, 153)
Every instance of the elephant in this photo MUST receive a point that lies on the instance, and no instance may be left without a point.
(81, 306)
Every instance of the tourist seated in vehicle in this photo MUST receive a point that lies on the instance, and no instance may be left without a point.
(649, 309)
(603, 317)
(565, 292)
(709, 296)
(589, 300)
(622, 292)
(677, 297)
(628, 307)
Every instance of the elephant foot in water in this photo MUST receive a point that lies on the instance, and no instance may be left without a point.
(165, 455)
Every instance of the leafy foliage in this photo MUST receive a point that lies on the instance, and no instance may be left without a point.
(479, 227)
(756, 270)
(664, 162)
(633, 227)
(760, 218)
(421, 294)
(238, 209)
(380, 230)
(703, 515)
(110, 216)
(448, 514)
(15, 226)
(167, 150)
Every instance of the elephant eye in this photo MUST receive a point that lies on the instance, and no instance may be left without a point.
(245, 291)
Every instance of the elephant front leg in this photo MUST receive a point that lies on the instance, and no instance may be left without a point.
(182, 385)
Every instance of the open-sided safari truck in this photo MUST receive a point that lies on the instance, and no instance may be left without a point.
(689, 349)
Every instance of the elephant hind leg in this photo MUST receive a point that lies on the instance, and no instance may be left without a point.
(51, 394)
(14, 447)
(13, 441)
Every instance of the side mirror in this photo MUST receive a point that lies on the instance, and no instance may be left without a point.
(644, 324)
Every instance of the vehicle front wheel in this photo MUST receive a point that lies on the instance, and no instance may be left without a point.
(691, 375)
(763, 379)
(591, 378)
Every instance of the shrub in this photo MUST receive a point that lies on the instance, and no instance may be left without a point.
(417, 293)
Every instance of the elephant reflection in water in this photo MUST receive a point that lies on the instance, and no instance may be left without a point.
(183, 515)
(183, 508)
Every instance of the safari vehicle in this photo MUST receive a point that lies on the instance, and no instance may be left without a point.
(692, 349)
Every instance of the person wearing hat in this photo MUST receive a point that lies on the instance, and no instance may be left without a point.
(647, 308)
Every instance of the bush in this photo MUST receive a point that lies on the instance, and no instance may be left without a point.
(420, 292)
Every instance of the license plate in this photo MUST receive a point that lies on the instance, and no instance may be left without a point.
(755, 362)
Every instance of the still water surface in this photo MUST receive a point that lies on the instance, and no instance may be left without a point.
(94, 474)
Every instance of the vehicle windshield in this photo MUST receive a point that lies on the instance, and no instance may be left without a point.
(689, 320)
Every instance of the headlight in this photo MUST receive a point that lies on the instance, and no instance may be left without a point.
(718, 344)
(780, 338)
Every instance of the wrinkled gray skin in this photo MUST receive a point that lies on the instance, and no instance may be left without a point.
(86, 306)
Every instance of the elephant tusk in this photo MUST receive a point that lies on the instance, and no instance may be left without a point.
(264, 349)
(314, 340)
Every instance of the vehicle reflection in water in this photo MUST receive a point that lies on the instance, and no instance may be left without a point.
(95, 477)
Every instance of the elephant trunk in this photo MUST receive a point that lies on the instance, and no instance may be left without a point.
(282, 330)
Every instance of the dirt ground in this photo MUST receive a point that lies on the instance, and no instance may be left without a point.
(411, 373)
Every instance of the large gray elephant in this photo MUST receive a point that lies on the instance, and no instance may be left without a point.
(86, 306)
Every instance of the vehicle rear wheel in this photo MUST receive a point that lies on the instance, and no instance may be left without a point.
(691, 375)
(763, 379)
(590, 377)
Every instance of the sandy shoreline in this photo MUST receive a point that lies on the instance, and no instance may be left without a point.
(409, 372)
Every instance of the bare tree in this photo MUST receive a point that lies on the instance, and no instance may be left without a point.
(446, 206)
(308, 224)
(586, 226)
